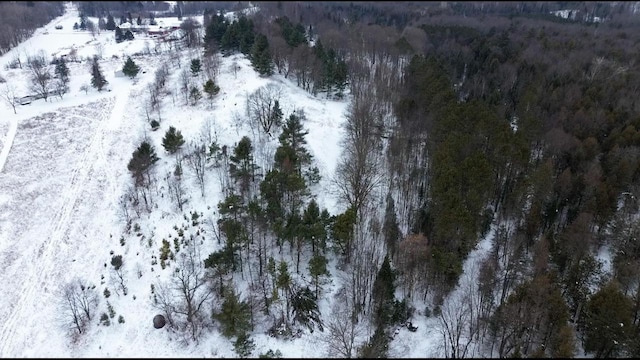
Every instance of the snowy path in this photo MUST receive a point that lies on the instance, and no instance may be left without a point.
(36, 278)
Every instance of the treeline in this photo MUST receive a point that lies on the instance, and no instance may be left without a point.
(529, 124)
(120, 8)
(18, 20)
(280, 46)
(534, 128)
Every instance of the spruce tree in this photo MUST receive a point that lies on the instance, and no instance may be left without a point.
(97, 79)
(260, 56)
(244, 345)
(292, 145)
(111, 24)
(130, 68)
(242, 167)
(172, 140)
(119, 35)
(383, 294)
(304, 309)
(234, 315)
(196, 66)
(62, 72)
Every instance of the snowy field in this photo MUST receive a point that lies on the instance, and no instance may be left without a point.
(63, 169)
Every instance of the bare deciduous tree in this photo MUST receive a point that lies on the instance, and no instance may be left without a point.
(342, 330)
(10, 96)
(185, 84)
(191, 288)
(176, 188)
(40, 76)
(358, 173)
(260, 106)
(197, 160)
(77, 303)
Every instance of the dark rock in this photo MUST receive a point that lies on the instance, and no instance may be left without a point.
(159, 321)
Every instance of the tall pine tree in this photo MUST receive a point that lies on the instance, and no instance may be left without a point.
(260, 56)
(97, 79)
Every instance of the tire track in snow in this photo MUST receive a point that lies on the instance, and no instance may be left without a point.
(47, 251)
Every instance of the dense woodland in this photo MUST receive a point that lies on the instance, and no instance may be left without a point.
(465, 120)
(19, 19)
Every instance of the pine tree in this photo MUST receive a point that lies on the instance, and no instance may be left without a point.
(130, 68)
(196, 66)
(383, 293)
(313, 227)
(390, 228)
(317, 268)
(172, 140)
(244, 345)
(139, 20)
(111, 24)
(211, 89)
(195, 95)
(97, 79)
(119, 35)
(242, 167)
(234, 315)
(608, 323)
(143, 158)
(275, 117)
(62, 72)
(260, 56)
(304, 309)
(292, 145)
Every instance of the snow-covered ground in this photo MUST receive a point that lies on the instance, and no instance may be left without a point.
(62, 173)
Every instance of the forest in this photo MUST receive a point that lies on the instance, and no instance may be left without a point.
(465, 119)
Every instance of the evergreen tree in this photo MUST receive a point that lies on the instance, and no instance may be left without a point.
(342, 231)
(139, 20)
(234, 315)
(312, 225)
(62, 72)
(608, 323)
(195, 95)
(130, 68)
(211, 89)
(119, 35)
(376, 347)
(97, 79)
(304, 309)
(383, 294)
(317, 268)
(292, 149)
(111, 24)
(196, 66)
(261, 57)
(172, 140)
(390, 227)
(275, 117)
(242, 167)
(244, 345)
(143, 158)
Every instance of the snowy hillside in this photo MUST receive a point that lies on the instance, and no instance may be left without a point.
(63, 173)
